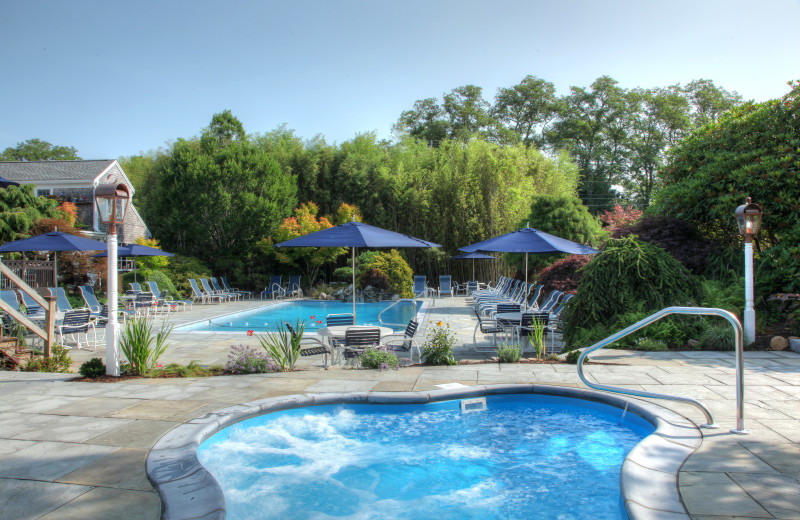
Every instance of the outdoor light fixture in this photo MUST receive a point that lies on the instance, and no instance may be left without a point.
(112, 204)
(748, 218)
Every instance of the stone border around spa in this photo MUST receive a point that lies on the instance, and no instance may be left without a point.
(648, 480)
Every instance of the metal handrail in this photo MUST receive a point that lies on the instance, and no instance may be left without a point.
(412, 300)
(737, 327)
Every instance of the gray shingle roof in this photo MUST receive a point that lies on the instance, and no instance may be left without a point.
(33, 171)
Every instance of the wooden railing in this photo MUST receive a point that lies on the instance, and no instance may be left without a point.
(48, 303)
(36, 273)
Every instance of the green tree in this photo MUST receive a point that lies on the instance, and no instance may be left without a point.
(425, 121)
(709, 101)
(560, 215)
(527, 109)
(38, 150)
(217, 196)
(594, 127)
(20, 209)
(467, 113)
(753, 150)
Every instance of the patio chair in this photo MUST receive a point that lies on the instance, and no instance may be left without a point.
(10, 297)
(555, 321)
(274, 289)
(446, 285)
(32, 309)
(74, 324)
(216, 289)
(525, 327)
(486, 326)
(318, 346)
(222, 289)
(294, 287)
(167, 298)
(202, 296)
(357, 339)
(227, 286)
(332, 320)
(533, 297)
(136, 287)
(420, 288)
(551, 301)
(404, 341)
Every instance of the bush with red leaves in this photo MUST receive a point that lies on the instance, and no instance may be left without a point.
(563, 275)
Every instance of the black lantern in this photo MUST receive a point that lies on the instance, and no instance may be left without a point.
(748, 217)
(112, 204)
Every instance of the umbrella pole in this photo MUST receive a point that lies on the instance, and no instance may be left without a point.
(353, 251)
(473, 270)
(525, 303)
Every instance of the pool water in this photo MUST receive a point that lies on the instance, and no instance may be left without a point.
(312, 313)
(538, 457)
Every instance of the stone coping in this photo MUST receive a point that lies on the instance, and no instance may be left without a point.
(648, 480)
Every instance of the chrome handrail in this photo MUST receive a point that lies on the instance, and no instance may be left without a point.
(412, 300)
(737, 327)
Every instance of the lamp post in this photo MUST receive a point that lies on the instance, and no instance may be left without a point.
(748, 217)
(112, 203)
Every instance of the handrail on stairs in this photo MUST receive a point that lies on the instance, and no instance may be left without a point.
(737, 327)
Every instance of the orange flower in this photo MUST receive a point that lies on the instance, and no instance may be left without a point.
(439, 323)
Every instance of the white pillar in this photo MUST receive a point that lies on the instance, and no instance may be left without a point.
(112, 328)
(749, 312)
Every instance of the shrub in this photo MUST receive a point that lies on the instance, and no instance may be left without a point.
(343, 274)
(628, 274)
(136, 343)
(573, 355)
(247, 360)
(59, 361)
(378, 358)
(438, 347)
(553, 357)
(728, 295)
(164, 283)
(509, 353)
(374, 277)
(193, 369)
(649, 344)
(564, 275)
(396, 268)
(93, 368)
(718, 336)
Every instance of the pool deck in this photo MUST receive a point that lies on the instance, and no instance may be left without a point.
(78, 450)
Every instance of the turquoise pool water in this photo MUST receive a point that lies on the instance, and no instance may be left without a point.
(525, 456)
(311, 312)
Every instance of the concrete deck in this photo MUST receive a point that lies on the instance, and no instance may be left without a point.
(77, 450)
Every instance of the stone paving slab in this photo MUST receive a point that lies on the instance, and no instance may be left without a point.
(710, 493)
(51, 460)
(104, 471)
(135, 434)
(109, 503)
(30, 499)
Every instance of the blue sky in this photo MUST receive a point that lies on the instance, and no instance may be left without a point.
(118, 78)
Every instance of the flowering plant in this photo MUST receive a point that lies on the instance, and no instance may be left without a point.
(438, 347)
(247, 360)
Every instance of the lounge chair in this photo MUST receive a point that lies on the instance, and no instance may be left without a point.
(446, 285)
(533, 297)
(420, 288)
(216, 289)
(404, 341)
(274, 289)
(136, 287)
(210, 290)
(526, 328)
(202, 296)
(62, 302)
(10, 297)
(228, 287)
(32, 309)
(74, 324)
(551, 301)
(332, 320)
(167, 298)
(98, 311)
(223, 289)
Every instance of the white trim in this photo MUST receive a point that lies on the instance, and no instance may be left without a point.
(125, 178)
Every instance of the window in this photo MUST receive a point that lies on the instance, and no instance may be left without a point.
(44, 192)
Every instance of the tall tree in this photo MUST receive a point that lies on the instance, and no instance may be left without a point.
(425, 121)
(527, 109)
(594, 126)
(217, 196)
(38, 150)
(20, 209)
(709, 101)
(467, 112)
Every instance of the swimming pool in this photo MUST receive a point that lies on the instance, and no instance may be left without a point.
(523, 456)
(311, 312)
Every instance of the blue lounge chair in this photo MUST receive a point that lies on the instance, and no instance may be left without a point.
(167, 298)
(420, 288)
(202, 296)
(210, 290)
(222, 288)
(274, 289)
(228, 287)
(294, 287)
(219, 290)
(62, 302)
(445, 285)
(98, 311)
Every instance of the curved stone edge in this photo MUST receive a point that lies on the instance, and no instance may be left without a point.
(648, 480)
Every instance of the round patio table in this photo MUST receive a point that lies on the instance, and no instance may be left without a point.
(337, 332)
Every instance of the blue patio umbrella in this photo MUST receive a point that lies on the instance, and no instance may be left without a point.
(134, 250)
(473, 256)
(53, 241)
(354, 235)
(5, 183)
(528, 240)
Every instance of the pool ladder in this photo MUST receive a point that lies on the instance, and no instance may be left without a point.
(737, 327)
(380, 314)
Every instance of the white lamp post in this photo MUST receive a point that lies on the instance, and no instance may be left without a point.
(748, 217)
(112, 203)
